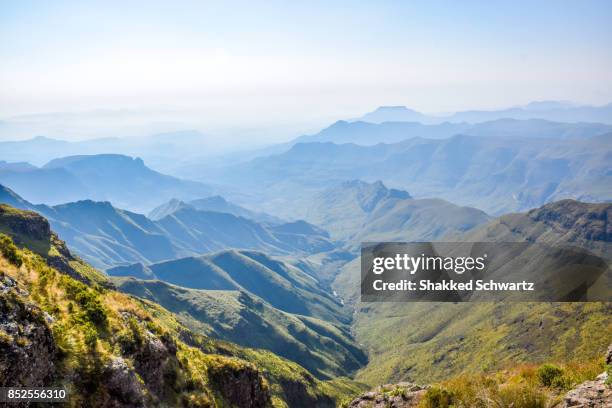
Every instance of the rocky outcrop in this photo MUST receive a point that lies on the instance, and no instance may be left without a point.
(123, 384)
(27, 348)
(241, 385)
(401, 395)
(24, 223)
(591, 394)
(580, 220)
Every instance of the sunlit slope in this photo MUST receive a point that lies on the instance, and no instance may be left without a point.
(324, 349)
(283, 286)
(430, 341)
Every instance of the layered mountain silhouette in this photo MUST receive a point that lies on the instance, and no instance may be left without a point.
(213, 203)
(356, 211)
(107, 236)
(496, 175)
(548, 110)
(366, 133)
(126, 182)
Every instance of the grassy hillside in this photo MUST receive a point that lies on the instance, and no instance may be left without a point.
(67, 326)
(326, 350)
(356, 211)
(283, 286)
(431, 341)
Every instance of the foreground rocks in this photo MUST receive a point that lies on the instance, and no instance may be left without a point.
(401, 395)
(27, 348)
(591, 394)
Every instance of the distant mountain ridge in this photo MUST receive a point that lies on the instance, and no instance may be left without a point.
(356, 211)
(213, 203)
(366, 133)
(496, 175)
(548, 110)
(123, 180)
(107, 236)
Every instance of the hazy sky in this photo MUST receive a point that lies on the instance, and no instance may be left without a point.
(300, 63)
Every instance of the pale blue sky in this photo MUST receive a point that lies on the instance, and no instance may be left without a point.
(279, 61)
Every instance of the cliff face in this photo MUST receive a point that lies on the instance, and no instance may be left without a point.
(28, 352)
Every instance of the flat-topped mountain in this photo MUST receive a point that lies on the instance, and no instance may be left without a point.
(369, 133)
(562, 222)
(548, 110)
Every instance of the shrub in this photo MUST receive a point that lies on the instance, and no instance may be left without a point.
(521, 396)
(437, 398)
(93, 310)
(550, 375)
(10, 251)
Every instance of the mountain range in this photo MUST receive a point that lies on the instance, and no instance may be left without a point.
(497, 175)
(125, 181)
(324, 349)
(213, 203)
(548, 110)
(355, 211)
(107, 236)
(367, 133)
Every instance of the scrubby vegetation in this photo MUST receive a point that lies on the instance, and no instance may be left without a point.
(9, 250)
(526, 386)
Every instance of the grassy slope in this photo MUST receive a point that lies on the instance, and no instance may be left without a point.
(285, 287)
(428, 341)
(322, 348)
(93, 324)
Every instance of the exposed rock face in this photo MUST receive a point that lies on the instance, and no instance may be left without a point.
(297, 396)
(31, 227)
(25, 223)
(580, 220)
(591, 394)
(27, 348)
(123, 384)
(241, 386)
(401, 395)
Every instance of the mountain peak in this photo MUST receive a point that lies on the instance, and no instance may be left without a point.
(396, 108)
(393, 114)
(167, 208)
